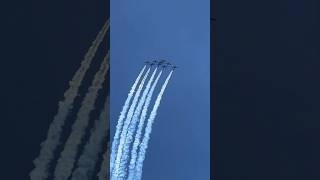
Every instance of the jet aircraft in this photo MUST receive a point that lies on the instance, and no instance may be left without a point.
(164, 67)
(162, 61)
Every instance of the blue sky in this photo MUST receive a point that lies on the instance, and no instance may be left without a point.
(178, 31)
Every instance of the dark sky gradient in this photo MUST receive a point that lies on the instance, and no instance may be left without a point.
(266, 81)
(144, 30)
(46, 41)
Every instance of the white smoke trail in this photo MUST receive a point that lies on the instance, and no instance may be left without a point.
(144, 143)
(132, 127)
(104, 169)
(139, 130)
(117, 169)
(41, 163)
(140, 127)
(125, 107)
(68, 155)
(89, 157)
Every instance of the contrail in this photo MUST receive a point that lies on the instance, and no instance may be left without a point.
(68, 155)
(144, 143)
(104, 169)
(125, 107)
(140, 127)
(117, 169)
(41, 163)
(92, 149)
(132, 127)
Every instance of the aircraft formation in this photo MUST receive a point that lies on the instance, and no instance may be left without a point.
(161, 63)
